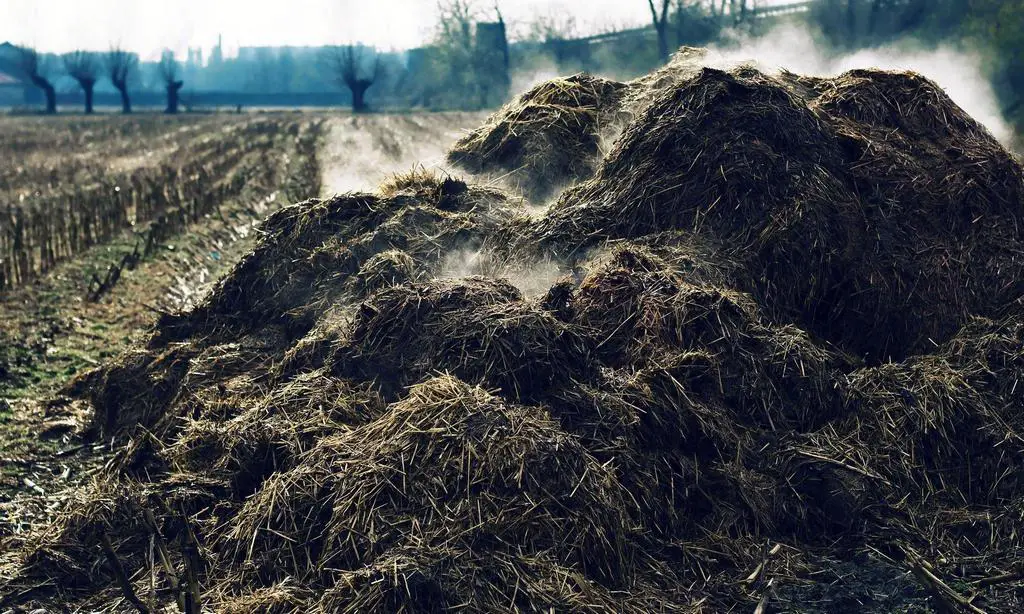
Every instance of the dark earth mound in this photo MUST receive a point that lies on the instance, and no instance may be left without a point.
(684, 422)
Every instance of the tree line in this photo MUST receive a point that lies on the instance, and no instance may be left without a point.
(88, 67)
(992, 28)
(468, 61)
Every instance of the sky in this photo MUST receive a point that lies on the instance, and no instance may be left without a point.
(147, 26)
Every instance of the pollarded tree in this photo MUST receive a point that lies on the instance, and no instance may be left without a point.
(169, 73)
(121, 65)
(350, 69)
(35, 69)
(84, 67)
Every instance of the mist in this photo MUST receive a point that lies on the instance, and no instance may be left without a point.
(532, 279)
(960, 73)
(965, 74)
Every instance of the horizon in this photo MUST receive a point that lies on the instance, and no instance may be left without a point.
(148, 28)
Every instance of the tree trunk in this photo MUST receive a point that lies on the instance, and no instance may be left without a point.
(51, 99)
(679, 22)
(662, 41)
(876, 8)
(126, 103)
(851, 23)
(51, 94)
(172, 96)
(359, 96)
(87, 88)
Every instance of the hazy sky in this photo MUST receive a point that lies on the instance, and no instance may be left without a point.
(147, 26)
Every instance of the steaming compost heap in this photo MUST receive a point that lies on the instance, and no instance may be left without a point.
(546, 138)
(787, 367)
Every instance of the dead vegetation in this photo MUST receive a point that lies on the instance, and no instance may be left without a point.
(546, 138)
(684, 423)
(869, 209)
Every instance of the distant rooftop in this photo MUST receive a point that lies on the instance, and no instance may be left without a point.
(6, 79)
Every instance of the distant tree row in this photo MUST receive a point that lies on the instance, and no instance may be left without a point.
(87, 67)
(351, 69)
(468, 62)
(992, 28)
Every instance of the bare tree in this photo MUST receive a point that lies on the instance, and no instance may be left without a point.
(552, 27)
(661, 26)
(349, 68)
(551, 30)
(84, 67)
(738, 10)
(455, 24)
(454, 68)
(35, 70)
(683, 11)
(169, 72)
(120, 66)
(491, 61)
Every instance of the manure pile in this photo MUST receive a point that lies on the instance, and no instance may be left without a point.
(547, 137)
(784, 371)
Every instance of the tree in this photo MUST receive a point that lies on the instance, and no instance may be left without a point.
(491, 61)
(552, 27)
(169, 73)
(453, 65)
(466, 64)
(285, 70)
(455, 27)
(738, 10)
(695, 21)
(348, 66)
(121, 65)
(661, 26)
(34, 69)
(857, 23)
(554, 31)
(261, 79)
(83, 67)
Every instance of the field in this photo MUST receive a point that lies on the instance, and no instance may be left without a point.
(109, 221)
(706, 341)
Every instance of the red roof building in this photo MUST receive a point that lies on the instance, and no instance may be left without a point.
(9, 80)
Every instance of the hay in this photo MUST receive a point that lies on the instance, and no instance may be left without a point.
(546, 138)
(386, 269)
(477, 328)
(880, 235)
(684, 422)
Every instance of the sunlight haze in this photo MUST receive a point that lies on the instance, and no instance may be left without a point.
(147, 27)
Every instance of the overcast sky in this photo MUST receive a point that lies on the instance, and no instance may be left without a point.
(147, 26)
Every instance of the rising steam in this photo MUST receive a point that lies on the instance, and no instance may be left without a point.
(532, 279)
(959, 73)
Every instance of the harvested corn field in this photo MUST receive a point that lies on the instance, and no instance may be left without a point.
(108, 222)
(763, 354)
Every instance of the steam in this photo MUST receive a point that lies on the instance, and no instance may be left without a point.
(958, 72)
(532, 279)
(542, 69)
(362, 151)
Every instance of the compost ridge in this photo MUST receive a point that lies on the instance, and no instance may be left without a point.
(684, 422)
